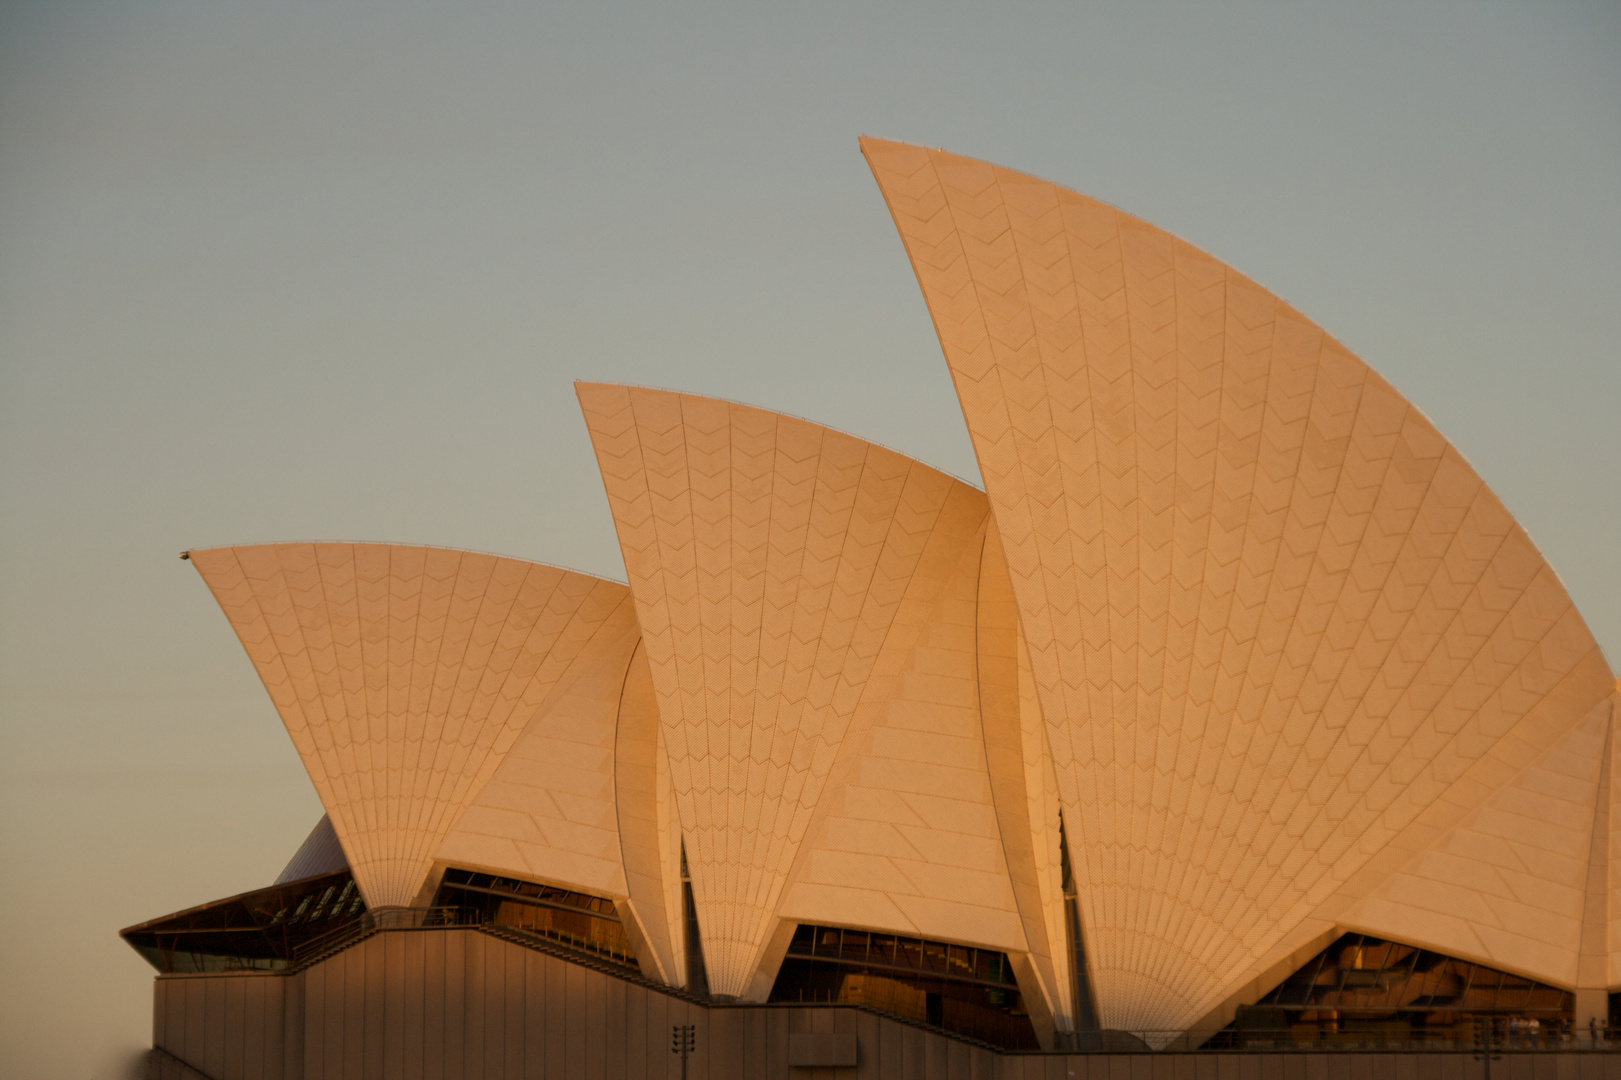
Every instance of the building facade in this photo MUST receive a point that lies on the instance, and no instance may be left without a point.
(1234, 710)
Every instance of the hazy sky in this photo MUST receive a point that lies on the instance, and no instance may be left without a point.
(279, 271)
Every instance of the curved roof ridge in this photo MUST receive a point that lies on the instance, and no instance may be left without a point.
(186, 554)
(788, 415)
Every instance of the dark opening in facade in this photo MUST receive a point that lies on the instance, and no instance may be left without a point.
(573, 919)
(965, 990)
(1364, 990)
(1087, 1034)
(697, 973)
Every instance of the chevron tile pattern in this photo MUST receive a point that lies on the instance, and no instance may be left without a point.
(1508, 881)
(768, 558)
(910, 843)
(550, 812)
(1271, 614)
(404, 676)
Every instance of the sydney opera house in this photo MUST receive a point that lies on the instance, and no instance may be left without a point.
(1234, 715)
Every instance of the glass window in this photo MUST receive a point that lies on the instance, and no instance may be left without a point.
(1369, 991)
(956, 987)
(574, 919)
(264, 930)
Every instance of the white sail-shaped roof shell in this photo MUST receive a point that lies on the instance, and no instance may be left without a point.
(1274, 618)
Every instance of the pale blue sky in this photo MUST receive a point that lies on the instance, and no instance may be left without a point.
(280, 271)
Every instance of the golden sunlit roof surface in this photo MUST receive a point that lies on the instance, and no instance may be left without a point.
(1230, 616)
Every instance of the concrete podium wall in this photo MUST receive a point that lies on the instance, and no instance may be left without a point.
(425, 1004)
(457, 1004)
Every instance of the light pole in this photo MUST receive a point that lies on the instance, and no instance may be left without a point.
(683, 1041)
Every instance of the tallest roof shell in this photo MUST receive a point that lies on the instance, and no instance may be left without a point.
(1272, 614)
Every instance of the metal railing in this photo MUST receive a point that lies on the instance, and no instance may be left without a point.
(306, 952)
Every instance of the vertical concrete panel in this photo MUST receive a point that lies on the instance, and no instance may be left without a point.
(636, 1032)
(658, 1036)
(212, 1059)
(322, 985)
(186, 1016)
(475, 1013)
(174, 1015)
(433, 1006)
(614, 1025)
(395, 973)
(557, 1019)
(779, 1024)
(318, 987)
(273, 995)
(914, 1054)
(194, 1028)
(455, 1055)
(891, 1049)
(596, 1036)
(937, 1057)
(374, 1005)
(534, 1011)
(724, 1060)
(492, 987)
(275, 1028)
(754, 1043)
(350, 967)
(413, 1014)
(517, 1007)
(575, 1033)
(233, 1022)
(160, 998)
(957, 1064)
(278, 1018)
(196, 1042)
(295, 1027)
(866, 1029)
(703, 1057)
(254, 1010)
(180, 1015)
